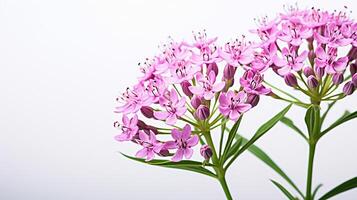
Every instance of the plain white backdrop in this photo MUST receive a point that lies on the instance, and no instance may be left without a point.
(62, 64)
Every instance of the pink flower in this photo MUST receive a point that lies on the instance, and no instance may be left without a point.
(233, 104)
(133, 100)
(328, 60)
(183, 70)
(155, 88)
(267, 31)
(252, 83)
(332, 36)
(237, 53)
(206, 86)
(294, 33)
(129, 128)
(150, 145)
(175, 107)
(290, 61)
(183, 142)
(264, 59)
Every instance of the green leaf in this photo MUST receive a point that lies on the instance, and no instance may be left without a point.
(259, 153)
(230, 139)
(343, 187)
(345, 117)
(288, 122)
(312, 120)
(315, 191)
(285, 191)
(235, 147)
(260, 132)
(184, 165)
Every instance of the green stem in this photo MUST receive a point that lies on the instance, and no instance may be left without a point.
(312, 147)
(218, 168)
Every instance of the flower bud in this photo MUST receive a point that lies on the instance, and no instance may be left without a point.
(290, 80)
(147, 111)
(354, 80)
(212, 67)
(196, 101)
(353, 68)
(152, 128)
(348, 88)
(308, 71)
(206, 152)
(202, 112)
(253, 99)
(141, 125)
(337, 78)
(164, 152)
(311, 55)
(185, 85)
(320, 72)
(312, 82)
(228, 72)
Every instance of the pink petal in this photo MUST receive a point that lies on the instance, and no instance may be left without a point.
(170, 145)
(173, 95)
(296, 42)
(188, 153)
(223, 100)
(161, 115)
(142, 153)
(208, 95)
(243, 107)
(197, 90)
(279, 62)
(193, 141)
(178, 155)
(186, 132)
(234, 115)
(340, 64)
(212, 77)
(218, 86)
(150, 156)
(176, 134)
(143, 136)
(320, 53)
(284, 70)
(171, 120)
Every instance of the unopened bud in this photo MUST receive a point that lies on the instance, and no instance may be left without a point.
(308, 71)
(206, 152)
(320, 72)
(354, 80)
(290, 80)
(147, 111)
(348, 88)
(229, 71)
(253, 99)
(337, 78)
(196, 101)
(185, 85)
(312, 82)
(353, 68)
(202, 112)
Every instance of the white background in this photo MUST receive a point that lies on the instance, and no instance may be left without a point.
(62, 64)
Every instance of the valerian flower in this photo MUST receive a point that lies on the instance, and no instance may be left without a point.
(174, 107)
(252, 82)
(291, 60)
(150, 145)
(328, 61)
(129, 128)
(133, 100)
(207, 86)
(183, 142)
(237, 53)
(233, 104)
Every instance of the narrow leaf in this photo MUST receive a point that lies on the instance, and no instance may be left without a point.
(315, 191)
(343, 187)
(230, 139)
(235, 147)
(260, 132)
(312, 120)
(184, 165)
(288, 122)
(345, 117)
(285, 191)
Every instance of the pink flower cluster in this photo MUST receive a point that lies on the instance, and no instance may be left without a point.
(184, 86)
(311, 42)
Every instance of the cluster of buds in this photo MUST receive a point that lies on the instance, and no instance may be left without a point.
(180, 89)
(312, 50)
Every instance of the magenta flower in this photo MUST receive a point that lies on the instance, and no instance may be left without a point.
(264, 59)
(155, 88)
(129, 128)
(290, 61)
(233, 104)
(207, 50)
(133, 100)
(332, 36)
(267, 31)
(206, 86)
(150, 145)
(327, 60)
(237, 53)
(183, 70)
(294, 33)
(175, 107)
(183, 142)
(252, 83)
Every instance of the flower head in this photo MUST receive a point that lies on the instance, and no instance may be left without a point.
(150, 145)
(233, 104)
(183, 142)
